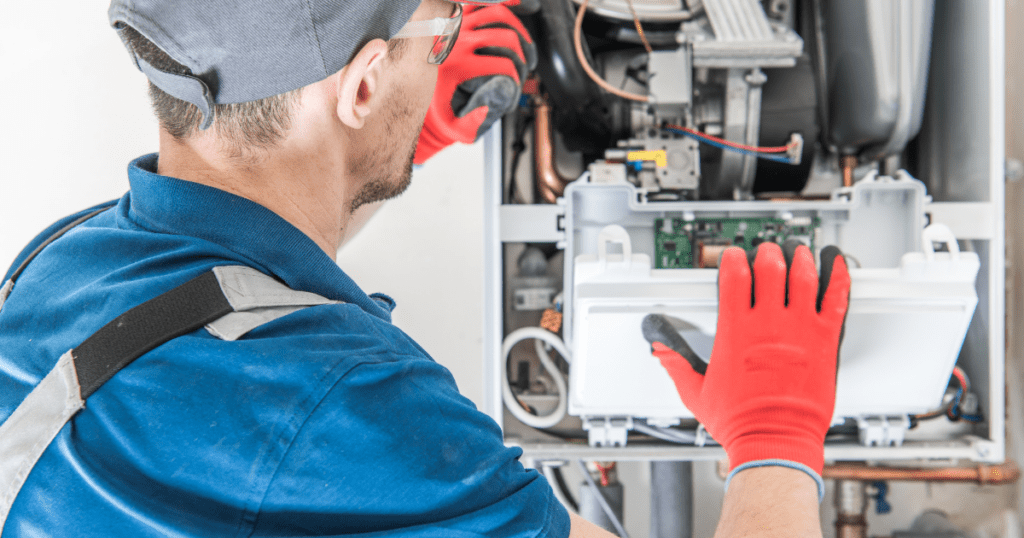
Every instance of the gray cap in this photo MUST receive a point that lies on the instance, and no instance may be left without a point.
(244, 50)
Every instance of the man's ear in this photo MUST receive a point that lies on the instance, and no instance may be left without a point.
(358, 82)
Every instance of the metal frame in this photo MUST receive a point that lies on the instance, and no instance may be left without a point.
(976, 218)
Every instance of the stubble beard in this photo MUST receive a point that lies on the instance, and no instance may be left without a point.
(389, 170)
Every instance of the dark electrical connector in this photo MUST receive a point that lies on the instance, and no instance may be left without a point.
(522, 381)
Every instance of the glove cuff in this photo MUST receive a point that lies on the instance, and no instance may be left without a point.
(781, 463)
(806, 450)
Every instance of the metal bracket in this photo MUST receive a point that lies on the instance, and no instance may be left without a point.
(538, 223)
(967, 220)
(607, 431)
(988, 450)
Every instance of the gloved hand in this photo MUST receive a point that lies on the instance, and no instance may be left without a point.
(768, 392)
(480, 81)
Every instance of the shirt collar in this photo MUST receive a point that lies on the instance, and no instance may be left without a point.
(261, 238)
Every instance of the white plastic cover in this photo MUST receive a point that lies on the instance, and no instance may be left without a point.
(904, 331)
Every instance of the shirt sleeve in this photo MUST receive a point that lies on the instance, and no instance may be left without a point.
(394, 448)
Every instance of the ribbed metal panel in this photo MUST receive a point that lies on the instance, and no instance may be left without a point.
(738, 20)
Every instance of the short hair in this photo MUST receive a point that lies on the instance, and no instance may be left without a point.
(258, 124)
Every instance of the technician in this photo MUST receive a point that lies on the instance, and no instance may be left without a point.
(279, 121)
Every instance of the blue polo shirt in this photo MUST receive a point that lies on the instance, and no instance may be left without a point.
(326, 422)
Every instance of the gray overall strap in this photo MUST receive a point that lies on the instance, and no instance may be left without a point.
(229, 301)
(255, 299)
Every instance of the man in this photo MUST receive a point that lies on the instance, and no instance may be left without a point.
(278, 123)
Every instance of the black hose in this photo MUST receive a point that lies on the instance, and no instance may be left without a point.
(578, 105)
(564, 489)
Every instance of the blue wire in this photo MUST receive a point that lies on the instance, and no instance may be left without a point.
(955, 408)
(710, 142)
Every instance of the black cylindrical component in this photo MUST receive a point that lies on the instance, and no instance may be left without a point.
(577, 103)
(789, 104)
(560, 70)
(522, 382)
(671, 499)
(590, 507)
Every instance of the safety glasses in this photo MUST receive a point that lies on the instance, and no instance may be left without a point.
(444, 29)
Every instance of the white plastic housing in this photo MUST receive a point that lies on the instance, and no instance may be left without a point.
(903, 332)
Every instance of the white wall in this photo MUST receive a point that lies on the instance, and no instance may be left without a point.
(425, 249)
(75, 112)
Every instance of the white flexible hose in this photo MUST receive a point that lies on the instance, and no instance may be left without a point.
(511, 402)
(549, 385)
(665, 434)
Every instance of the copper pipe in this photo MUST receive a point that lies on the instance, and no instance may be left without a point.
(848, 163)
(1004, 473)
(550, 183)
(577, 41)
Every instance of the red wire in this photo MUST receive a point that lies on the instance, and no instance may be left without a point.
(962, 378)
(604, 472)
(758, 149)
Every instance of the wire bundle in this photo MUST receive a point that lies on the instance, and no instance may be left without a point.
(604, 470)
(791, 151)
(954, 412)
(771, 153)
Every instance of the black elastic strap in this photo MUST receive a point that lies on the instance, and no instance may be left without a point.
(132, 334)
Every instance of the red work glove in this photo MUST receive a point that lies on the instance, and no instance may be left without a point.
(768, 391)
(480, 81)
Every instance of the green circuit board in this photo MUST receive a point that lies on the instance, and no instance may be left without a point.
(688, 244)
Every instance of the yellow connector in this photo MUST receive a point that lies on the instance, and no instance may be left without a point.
(659, 157)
